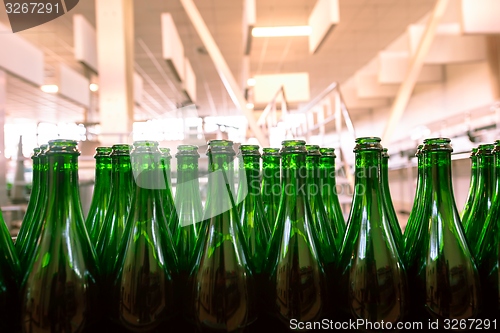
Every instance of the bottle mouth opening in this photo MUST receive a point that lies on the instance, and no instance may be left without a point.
(313, 150)
(62, 146)
(103, 152)
(330, 152)
(120, 150)
(268, 151)
(486, 149)
(145, 143)
(165, 153)
(249, 150)
(437, 144)
(187, 150)
(293, 146)
(292, 143)
(220, 147)
(145, 147)
(368, 143)
(220, 143)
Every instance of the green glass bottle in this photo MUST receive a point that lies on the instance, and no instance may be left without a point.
(117, 213)
(271, 184)
(297, 279)
(223, 283)
(416, 211)
(188, 206)
(443, 275)
(187, 221)
(60, 291)
(100, 197)
(322, 226)
(391, 212)
(167, 196)
(10, 276)
(253, 221)
(483, 197)
(30, 209)
(144, 295)
(488, 250)
(472, 187)
(26, 244)
(373, 285)
(328, 185)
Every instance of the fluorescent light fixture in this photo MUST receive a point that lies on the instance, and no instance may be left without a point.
(93, 87)
(299, 30)
(250, 106)
(251, 82)
(50, 88)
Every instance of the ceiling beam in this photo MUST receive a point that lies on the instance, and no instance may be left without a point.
(223, 70)
(405, 90)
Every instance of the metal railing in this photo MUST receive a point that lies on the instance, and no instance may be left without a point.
(326, 107)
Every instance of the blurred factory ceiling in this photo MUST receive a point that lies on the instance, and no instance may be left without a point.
(365, 28)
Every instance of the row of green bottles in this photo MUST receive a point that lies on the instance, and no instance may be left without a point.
(228, 268)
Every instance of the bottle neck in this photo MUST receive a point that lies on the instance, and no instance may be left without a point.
(270, 164)
(63, 178)
(165, 166)
(270, 174)
(485, 169)
(102, 171)
(221, 172)
(384, 168)
(187, 169)
(36, 175)
(250, 169)
(437, 168)
(368, 171)
(496, 160)
(312, 165)
(473, 160)
(420, 173)
(327, 170)
(294, 174)
(148, 172)
(121, 171)
(43, 172)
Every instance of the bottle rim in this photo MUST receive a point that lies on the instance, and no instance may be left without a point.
(220, 147)
(145, 147)
(368, 143)
(120, 150)
(327, 152)
(293, 146)
(36, 153)
(249, 150)
(103, 152)
(313, 150)
(437, 144)
(485, 149)
(62, 146)
(187, 150)
(270, 151)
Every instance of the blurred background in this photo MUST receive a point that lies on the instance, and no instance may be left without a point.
(252, 71)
